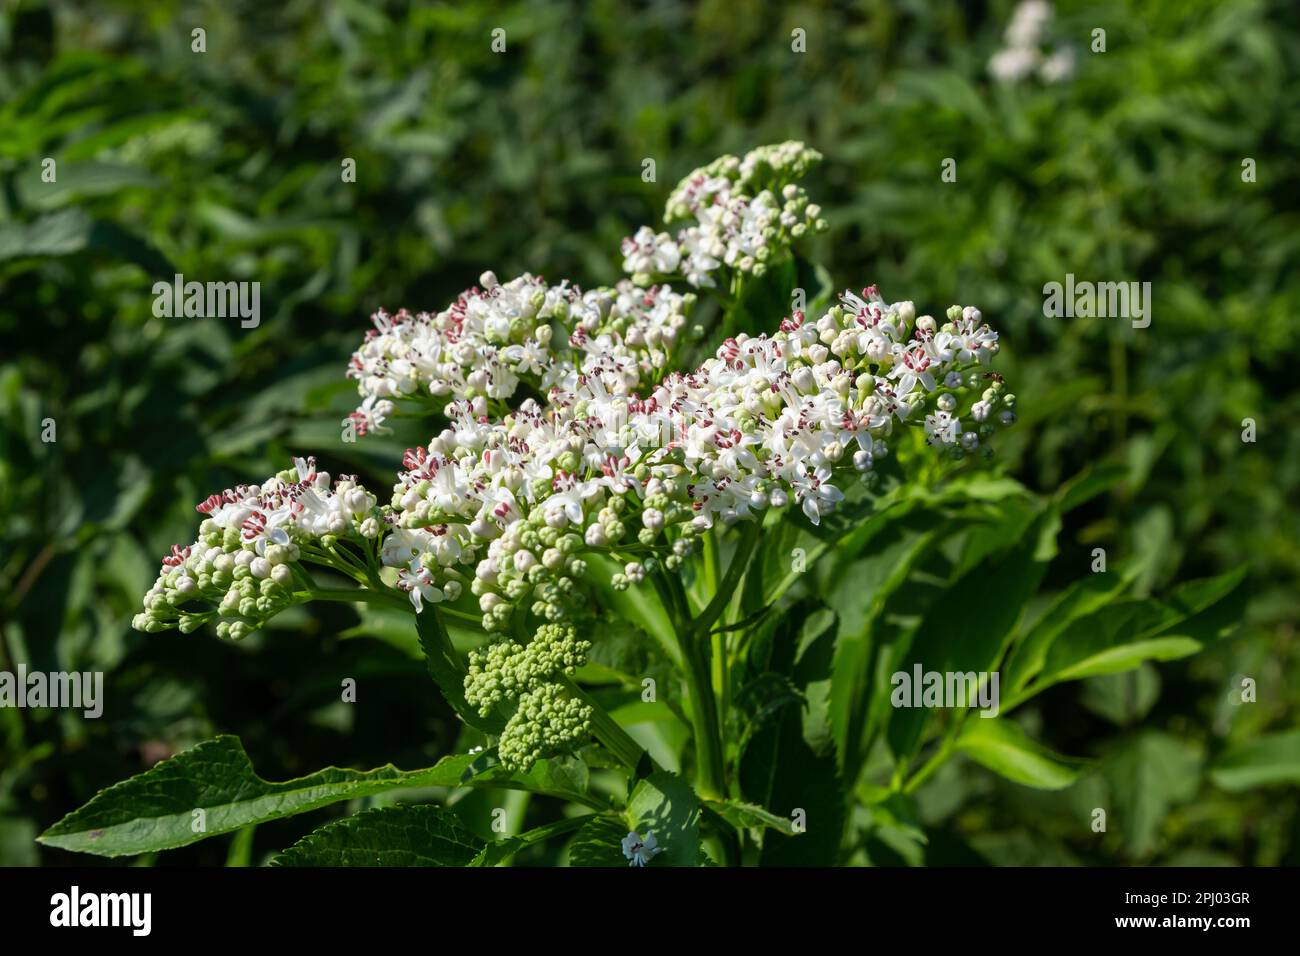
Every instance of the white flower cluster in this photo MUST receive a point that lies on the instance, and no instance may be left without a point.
(766, 421)
(244, 567)
(569, 439)
(1023, 53)
(746, 213)
(498, 337)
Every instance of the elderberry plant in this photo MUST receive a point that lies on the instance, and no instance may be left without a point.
(784, 513)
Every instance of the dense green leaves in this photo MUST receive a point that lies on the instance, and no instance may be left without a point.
(239, 180)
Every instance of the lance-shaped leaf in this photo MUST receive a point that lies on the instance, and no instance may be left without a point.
(1121, 636)
(1002, 747)
(211, 789)
(1271, 759)
(415, 835)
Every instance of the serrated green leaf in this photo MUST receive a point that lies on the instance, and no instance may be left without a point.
(599, 842)
(155, 810)
(664, 804)
(416, 835)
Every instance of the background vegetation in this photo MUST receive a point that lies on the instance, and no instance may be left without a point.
(225, 165)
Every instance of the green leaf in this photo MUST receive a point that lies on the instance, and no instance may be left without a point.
(77, 180)
(600, 842)
(966, 629)
(417, 835)
(155, 810)
(1121, 636)
(1001, 746)
(664, 804)
(1082, 598)
(749, 816)
(1270, 759)
(1089, 483)
(858, 597)
(1147, 775)
(499, 851)
(448, 672)
(56, 234)
(1123, 698)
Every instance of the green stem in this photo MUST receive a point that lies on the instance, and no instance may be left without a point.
(356, 596)
(710, 768)
(542, 833)
(606, 728)
(939, 756)
(739, 562)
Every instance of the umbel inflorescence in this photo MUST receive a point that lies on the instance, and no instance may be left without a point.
(567, 431)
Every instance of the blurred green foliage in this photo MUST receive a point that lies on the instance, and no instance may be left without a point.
(226, 165)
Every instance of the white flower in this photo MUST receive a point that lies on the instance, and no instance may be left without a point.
(941, 428)
(638, 851)
(650, 252)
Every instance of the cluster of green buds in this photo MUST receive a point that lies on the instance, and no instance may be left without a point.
(548, 721)
(545, 719)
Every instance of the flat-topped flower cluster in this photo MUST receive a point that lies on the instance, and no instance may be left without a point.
(766, 421)
(567, 434)
(498, 338)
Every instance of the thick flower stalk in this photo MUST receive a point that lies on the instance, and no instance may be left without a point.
(498, 339)
(742, 213)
